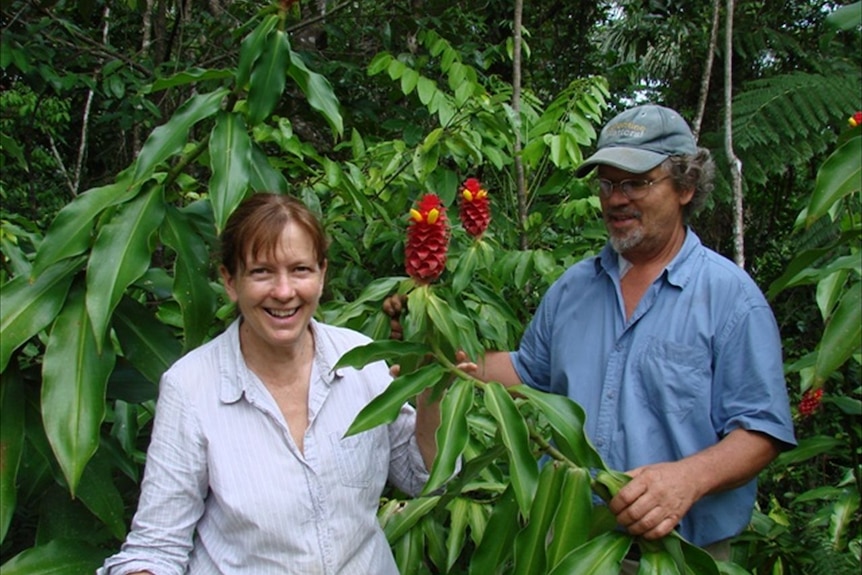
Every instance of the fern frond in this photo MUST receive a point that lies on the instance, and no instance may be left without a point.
(787, 120)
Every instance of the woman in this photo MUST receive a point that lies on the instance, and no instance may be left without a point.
(248, 469)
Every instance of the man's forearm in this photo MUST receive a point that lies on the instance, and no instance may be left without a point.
(497, 366)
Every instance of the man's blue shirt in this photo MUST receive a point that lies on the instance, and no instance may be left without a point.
(700, 357)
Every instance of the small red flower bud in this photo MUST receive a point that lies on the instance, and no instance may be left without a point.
(855, 120)
(427, 240)
(810, 401)
(474, 211)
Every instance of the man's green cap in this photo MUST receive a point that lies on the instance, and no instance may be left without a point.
(640, 139)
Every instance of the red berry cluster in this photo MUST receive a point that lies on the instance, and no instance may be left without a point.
(810, 401)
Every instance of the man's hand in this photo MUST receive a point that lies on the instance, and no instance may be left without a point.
(656, 499)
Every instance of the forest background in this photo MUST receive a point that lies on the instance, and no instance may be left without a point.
(129, 130)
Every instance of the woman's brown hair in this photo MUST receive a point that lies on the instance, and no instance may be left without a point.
(256, 225)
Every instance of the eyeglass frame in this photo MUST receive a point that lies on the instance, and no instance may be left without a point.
(638, 188)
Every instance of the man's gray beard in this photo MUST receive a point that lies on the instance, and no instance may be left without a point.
(623, 244)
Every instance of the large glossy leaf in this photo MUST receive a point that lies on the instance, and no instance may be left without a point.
(147, 343)
(98, 492)
(262, 176)
(121, 255)
(843, 512)
(452, 434)
(384, 408)
(567, 419)
(840, 175)
(191, 288)
(459, 514)
(190, 76)
(572, 521)
(407, 515)
(601, 555)
(496, 544)
(382, 350)
(658, 563)
(169, 138)
(409, 551)
(11, 444)
(268, 77)
(31, 305)
(808, 447)
(57, 557)
(230, 161)
(842, 336)
(523, 467)
(252, 48)
(71, 231)
(530, 555)
(74, 379)
(318, 91)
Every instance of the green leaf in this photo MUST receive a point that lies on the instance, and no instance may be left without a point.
(843, 512)
(572, 521)
(842, 336)
(147, 343)
(409, 551)
(387, 349)
(530, 556)
(71, 231)
(601, 555)
(186, 77)
(121, 255)
(384, 408)
(251, 49)
(11, 444)
(459, 513)
(808, 447)
(169, 138)
(839, 176)
(268, 77)
(426, 88)
(230, 160)
(191, 288)
(379, 63)
(98, 492)
(407, 515)
(452, 434)
(496, 545)
(657, 563)
(29, 306)
(74, 378)
(57, 557)
(262, 176)
(567, 419)
(513, 429)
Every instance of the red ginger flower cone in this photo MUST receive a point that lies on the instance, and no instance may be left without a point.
(810, 401)
(474, 210)
(427, 240)
(855, 120)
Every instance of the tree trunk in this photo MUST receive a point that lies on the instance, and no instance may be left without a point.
(516, 107)
(707, 69)
(735, 163)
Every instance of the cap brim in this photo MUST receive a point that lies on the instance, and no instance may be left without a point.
(636, 161)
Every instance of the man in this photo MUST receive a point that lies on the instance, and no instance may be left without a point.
(670, 348)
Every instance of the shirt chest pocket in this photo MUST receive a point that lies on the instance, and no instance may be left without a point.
(673, 377)
(360, 457)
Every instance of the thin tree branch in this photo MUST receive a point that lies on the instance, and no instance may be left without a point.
(516, 107)
(735, 163)
(707, 69)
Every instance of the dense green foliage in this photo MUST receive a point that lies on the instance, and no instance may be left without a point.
(128, 133)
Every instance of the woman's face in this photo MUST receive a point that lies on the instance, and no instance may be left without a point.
(277, 295)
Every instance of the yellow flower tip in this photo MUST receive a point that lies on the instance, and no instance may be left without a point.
(433, 215)
(468, 195)
(482, 193)
(852, 122)
(416, 216)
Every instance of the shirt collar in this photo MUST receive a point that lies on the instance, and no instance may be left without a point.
(235, 376)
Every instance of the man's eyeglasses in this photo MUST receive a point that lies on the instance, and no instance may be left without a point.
(632, 189)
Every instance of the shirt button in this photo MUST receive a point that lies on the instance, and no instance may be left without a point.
(600, 443)
(618, 347)
(611, 395)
